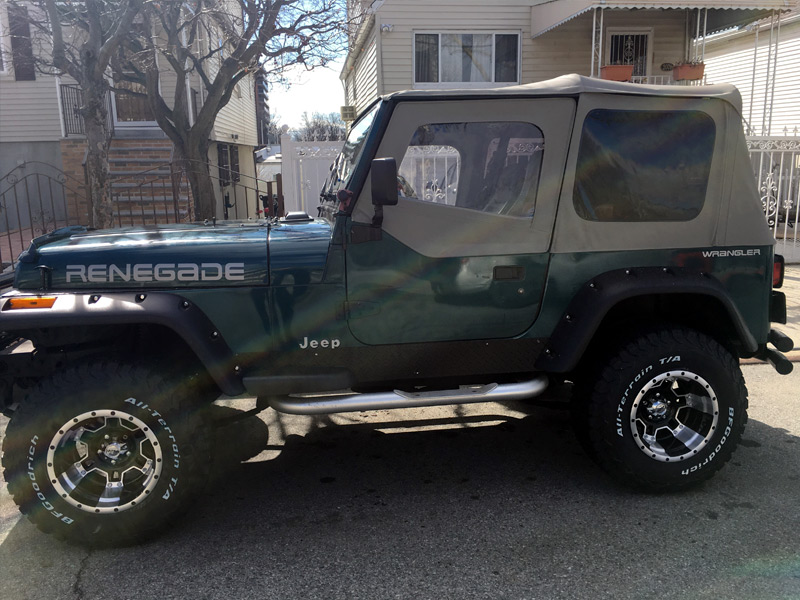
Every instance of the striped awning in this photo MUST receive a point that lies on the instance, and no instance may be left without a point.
(548, 15)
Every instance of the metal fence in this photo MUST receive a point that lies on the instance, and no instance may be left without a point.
(71, 102)
(36, 198)
(776, 164)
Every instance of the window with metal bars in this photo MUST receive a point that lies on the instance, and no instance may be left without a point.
(629, 48)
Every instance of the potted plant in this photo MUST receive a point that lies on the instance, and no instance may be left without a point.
(616, 72)
(689, 70)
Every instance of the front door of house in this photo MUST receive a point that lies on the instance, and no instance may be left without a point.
(463, 255)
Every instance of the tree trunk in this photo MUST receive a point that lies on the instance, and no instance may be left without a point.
(94, 116)
(195, 163)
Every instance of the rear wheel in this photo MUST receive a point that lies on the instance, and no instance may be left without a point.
(667, 411)
(105, 455)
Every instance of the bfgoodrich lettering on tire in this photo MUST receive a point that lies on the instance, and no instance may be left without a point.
(668, 409)
(105, 454)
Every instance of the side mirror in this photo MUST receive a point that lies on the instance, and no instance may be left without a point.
(384, 182)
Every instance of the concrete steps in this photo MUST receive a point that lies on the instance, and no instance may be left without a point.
(141, 182)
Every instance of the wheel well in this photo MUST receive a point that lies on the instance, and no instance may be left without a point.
(57, 346)
(697, 311)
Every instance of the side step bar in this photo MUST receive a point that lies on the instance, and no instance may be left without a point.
(490, 392)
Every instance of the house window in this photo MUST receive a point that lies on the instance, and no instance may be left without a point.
(475, 58)
(491, 167)
(630, 47)
(643, 165)
(21, 47)
(228, 160)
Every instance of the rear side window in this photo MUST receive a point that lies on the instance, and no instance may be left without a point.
(638, 165)
(491, 167)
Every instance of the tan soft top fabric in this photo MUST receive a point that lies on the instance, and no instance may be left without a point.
(574, 85)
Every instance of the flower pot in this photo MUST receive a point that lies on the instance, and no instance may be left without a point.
(616, 72)
(688, 72)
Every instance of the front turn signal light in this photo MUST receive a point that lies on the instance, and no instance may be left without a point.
(30, 302)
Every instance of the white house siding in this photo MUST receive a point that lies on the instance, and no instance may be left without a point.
(408, 16)
(362, 85)
(730, 60)
(366, 74)
(238, 117)
(167, 81)
(29, 109)
(566, 49)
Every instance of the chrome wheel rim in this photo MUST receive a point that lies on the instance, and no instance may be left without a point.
(104, 461)
(674, 416)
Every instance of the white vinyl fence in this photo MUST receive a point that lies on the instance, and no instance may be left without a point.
(305, 166)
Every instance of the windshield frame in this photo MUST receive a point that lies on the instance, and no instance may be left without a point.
(344, 167)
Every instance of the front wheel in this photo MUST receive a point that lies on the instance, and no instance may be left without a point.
(104, 455)
(668, 409)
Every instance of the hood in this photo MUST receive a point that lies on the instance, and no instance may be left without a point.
(160, 257)
(176, 256)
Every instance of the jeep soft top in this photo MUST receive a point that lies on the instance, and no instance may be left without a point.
(470, 247)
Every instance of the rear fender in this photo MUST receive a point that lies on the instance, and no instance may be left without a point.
(598, 297)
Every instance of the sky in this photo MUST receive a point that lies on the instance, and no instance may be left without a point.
(317, 91)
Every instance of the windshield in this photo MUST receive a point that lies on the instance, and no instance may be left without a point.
(344, 164)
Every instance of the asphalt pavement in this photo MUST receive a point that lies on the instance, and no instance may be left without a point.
(479, 501)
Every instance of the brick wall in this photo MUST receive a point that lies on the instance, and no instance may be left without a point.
(139, 178)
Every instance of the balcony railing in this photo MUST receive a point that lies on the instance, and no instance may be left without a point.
(71, 102)
(665, 80)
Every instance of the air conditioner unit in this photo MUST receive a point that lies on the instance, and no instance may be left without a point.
(348, 113)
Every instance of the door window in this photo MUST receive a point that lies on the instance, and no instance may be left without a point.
(490, 167)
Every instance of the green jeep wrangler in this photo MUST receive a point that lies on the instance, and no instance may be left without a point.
(469, 247)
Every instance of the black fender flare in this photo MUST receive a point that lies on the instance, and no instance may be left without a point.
(598, 296)
(133, 308)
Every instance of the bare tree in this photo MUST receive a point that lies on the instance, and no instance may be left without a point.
(274, 129)
(218, 43)
(79, 39)
(321, 128)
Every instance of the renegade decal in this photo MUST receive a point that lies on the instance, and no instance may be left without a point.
(158, 272)
(737, 252)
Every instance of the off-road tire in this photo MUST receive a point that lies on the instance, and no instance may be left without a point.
(80, 433)
(667, 410)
